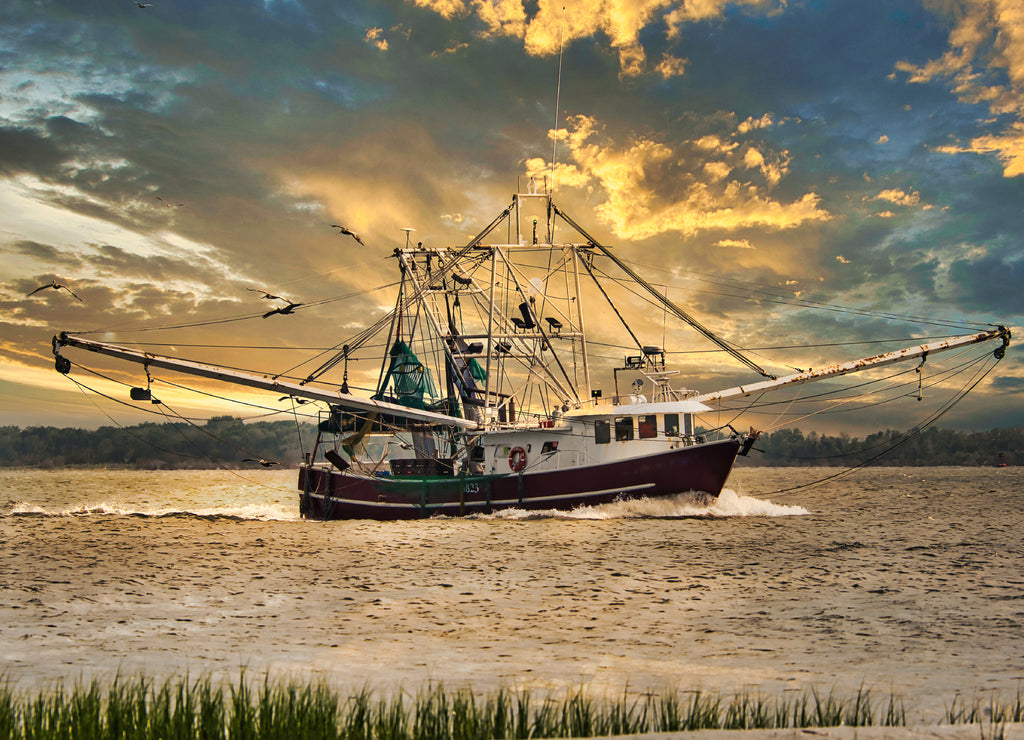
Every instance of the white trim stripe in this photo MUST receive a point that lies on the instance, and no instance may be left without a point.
(495, 502)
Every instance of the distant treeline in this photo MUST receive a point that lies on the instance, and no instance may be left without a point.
(222, 441)
(932, 447)
(225, 441)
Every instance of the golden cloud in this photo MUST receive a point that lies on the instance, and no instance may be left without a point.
(651, 187)
(1008, 146)
(987, 36)
(671, 66)
(899, 197)
(375, 37)
(755, 123)
(559, 22)
(735, 243)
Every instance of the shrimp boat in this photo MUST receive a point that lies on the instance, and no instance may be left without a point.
(485, 398)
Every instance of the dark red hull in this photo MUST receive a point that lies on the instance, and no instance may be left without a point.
(331, 494)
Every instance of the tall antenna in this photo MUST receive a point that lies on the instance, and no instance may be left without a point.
(558, 93)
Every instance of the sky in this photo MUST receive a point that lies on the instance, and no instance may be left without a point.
(751, 157)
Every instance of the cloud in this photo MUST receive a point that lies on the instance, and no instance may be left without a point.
(752, 123)
(554, 23)
(989, 283)
(735, 243)
(375, 38)
(899, 197)
(671, 66)
(46, 253)
(652, 186)
(450, 50)
(985, 64)
(1008, 146)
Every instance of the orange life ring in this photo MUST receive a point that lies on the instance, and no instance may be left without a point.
(517, 459)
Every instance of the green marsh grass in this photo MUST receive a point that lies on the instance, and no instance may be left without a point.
(185, 709)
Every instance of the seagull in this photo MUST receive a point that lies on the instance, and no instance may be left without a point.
(169, 205)
(344, 230)
(268, 295)
(144, 5)
(283, 309)
(56, 286)
(299, 401)
(261, 461)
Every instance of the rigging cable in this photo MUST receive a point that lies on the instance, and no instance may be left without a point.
(83, 387)
(558, 93)
(679, 313)
(907, 436)
(808, 303)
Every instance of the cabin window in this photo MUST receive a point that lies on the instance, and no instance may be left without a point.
(602, 432)
(688, 424)
(476, 454)
(549, 447)
(623, 428)
(647, 426)
(671, 425)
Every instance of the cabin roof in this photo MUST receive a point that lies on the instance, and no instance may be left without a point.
(638, 409)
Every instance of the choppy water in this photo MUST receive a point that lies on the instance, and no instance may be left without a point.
(907, 580)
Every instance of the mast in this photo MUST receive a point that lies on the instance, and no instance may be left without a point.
(490, 339)
(854, 366)
(579, 319)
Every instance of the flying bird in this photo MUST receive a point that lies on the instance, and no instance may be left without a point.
(169, 205)
(56, 286)
(299, 401)
(268, 295)
(144, 5)
(345, 230)
(261, 461)
(283, 309)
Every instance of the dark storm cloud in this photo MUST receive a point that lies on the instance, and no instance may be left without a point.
(46, 253)
(24, 150)
(1009, 383)
(990, 284)
(118, 262)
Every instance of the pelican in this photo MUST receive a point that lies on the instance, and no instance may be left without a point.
(345, 230)
(56, 286)
(268, 295)
(283, 309)
(261, 461)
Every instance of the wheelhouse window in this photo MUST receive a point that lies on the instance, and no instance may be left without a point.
(647, 426)
(623, 428)
(671, 425)
(602, 432)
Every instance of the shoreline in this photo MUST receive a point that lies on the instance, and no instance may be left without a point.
(203, 707)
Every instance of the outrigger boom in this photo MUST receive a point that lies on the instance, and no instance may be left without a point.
(251, 380)
(854, 366)
(345, 400)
